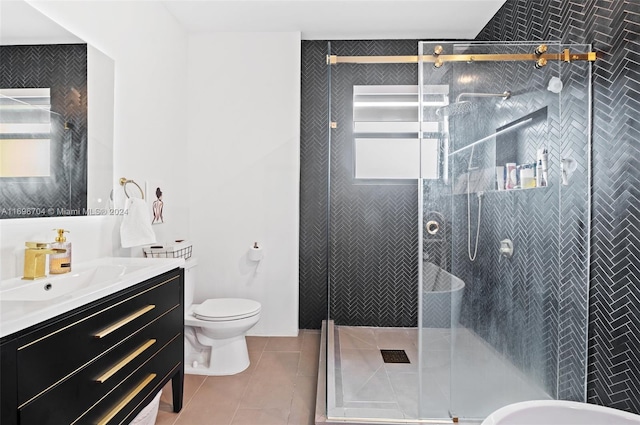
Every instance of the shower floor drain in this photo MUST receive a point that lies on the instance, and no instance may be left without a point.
(394, 356)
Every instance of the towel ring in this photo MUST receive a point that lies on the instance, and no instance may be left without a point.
(123, 183)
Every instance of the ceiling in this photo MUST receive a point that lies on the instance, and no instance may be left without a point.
(339, 19)
(20, 23)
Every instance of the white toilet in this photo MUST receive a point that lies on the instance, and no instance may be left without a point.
(215, 330)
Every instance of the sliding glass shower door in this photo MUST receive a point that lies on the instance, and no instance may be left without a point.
(505, 226)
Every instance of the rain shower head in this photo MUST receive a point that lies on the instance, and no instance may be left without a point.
(457, 108)
(461, 107)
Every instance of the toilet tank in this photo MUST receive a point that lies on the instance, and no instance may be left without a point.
(189, 280)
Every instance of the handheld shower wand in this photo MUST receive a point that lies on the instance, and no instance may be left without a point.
(461, 107)
(473, 256)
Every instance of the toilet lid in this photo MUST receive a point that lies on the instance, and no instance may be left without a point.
(219, 309)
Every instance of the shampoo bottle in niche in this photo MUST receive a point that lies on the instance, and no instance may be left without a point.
(539, 174)
(544, 158)
(511, 178)
(60, 263)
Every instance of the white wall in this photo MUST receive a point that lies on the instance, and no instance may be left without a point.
(244, 168)
(150, 52)
(230, 180)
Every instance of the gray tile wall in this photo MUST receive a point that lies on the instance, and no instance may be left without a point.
(614, 294)
(63, 68)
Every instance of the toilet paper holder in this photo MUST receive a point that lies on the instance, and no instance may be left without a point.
(255, 252)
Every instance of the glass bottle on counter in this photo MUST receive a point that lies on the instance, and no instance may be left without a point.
(61, 262)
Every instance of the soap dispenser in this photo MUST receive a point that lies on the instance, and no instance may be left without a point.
(60, 263)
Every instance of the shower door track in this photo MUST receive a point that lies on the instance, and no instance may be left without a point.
(370, 421)
(439, 59)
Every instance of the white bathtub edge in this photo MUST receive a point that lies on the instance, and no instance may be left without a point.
(501, 416)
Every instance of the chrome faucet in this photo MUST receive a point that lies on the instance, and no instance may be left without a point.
(34, 259)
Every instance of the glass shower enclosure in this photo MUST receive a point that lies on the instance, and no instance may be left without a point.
(459, 217)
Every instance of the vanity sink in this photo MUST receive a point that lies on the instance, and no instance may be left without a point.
(70, 284)
(27, 302)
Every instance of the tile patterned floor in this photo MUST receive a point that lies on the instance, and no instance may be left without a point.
(280, 385)
(366, 387)
(278, 388)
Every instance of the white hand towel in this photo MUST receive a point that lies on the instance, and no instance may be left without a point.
(135, 229)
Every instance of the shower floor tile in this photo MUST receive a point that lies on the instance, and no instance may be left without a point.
(391, 339)
(366, 387)
(358, 338)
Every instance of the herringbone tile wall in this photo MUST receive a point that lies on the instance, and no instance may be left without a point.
(612, 27)
(314, 159)
(63, 68)
(374, 262)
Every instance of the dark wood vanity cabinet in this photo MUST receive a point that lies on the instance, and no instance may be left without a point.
(98, 364)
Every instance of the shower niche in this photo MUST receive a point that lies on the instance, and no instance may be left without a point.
(514, 156)
(516, 145)
(523, 142)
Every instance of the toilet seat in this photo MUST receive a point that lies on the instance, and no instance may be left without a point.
(225, 309)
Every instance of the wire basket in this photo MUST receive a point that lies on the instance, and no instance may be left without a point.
(178, 249)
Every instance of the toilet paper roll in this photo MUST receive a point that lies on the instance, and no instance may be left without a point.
(255, 253)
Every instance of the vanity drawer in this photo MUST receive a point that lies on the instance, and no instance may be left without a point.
(82, 400)
(76, 394)
(122, 406)
(92, 333)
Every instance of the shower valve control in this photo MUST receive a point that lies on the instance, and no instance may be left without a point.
(506, 248)
(432, 227)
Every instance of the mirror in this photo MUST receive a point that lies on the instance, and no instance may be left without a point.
(56, 119)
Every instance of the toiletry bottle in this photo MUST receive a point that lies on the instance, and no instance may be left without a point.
(511, 175)
(60, 263)
(539, 174)
(500, 177)
(527, 176)
(545, 165)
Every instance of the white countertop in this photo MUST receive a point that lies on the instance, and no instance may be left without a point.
(24, 303)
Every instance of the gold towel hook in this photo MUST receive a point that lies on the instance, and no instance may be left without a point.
(123, 183)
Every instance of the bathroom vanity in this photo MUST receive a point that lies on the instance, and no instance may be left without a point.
(98, 353)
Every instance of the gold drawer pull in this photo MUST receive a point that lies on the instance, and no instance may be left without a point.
(122, 363)
(121, 323)
(105, 419)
